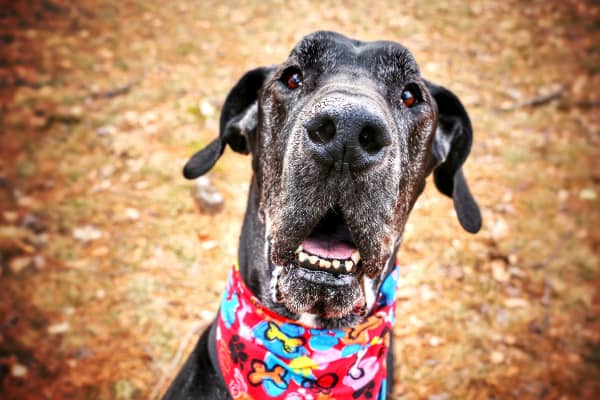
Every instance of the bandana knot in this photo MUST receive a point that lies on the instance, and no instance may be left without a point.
(263, 355)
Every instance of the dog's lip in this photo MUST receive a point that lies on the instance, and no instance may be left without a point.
(324, 277)
(330, 295)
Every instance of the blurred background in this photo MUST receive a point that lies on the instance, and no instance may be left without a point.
(112, 264)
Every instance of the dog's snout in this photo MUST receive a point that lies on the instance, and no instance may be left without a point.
(348, 133)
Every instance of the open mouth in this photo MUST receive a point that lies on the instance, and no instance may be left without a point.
(325, 278)
(329, 247)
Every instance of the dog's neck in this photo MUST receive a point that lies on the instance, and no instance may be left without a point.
(262, 354)
(252, 258)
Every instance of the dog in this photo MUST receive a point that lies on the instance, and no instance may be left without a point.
(343, 135)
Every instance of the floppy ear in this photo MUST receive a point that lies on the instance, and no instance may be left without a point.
(238, 120)
(450, 149)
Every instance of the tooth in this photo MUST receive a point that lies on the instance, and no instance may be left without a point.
(324, 263)
(299, 249)
(313, 260)
(336, 264)
(355, 257)
(348, 265)
(302, 256)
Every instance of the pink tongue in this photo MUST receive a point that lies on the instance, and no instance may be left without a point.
(327, 248)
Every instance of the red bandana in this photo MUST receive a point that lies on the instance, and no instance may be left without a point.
(263, 355)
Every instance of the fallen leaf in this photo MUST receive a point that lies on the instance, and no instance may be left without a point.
(59, 328)
(499, 230)
(100, 251)
(132, 214)
(499, 271)
(18, 371)
(588, 194)
(515, 302)
(563, 195)
(434, 341)
(206, 315)
(105, 130)
(439, 396)
(406, 293)
(87, 233)
(10, 216)
(39, 261)
(497, 357)
(18, 264)
(209, 244)
(206, 109)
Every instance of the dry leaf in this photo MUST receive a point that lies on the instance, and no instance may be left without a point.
(499, 271)
(515, 302)
(497, 357)
(59, 328)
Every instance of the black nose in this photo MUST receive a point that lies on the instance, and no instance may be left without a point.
(348, 134)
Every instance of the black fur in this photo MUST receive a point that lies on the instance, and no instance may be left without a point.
(234, 127)
(450, 150)
(354, 87)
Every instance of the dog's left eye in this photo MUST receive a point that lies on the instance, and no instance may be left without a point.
(408, 97)
(292, 77)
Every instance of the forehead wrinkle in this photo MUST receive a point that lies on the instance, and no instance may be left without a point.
(393, 61)
(325, 51)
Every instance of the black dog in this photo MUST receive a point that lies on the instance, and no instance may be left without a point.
(343, 135)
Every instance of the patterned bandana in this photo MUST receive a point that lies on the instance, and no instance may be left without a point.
(263, 355)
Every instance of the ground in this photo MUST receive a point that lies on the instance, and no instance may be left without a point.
(109, 270)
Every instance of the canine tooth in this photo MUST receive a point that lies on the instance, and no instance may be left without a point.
(299, 249)
(348, 265)
(324, 263)
(355, 257)
(336, 264)
(302, 256)
(313, 260)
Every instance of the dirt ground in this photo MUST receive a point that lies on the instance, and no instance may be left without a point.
(109, 271)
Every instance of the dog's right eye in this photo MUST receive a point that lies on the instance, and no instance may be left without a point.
(292, 77)
(411, 95)
(408, 98)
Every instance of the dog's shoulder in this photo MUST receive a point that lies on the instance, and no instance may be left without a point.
(198, 380)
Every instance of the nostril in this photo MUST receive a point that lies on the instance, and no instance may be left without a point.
(371, 139)
(323, 133)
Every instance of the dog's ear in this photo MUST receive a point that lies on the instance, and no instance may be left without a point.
(450, 149)
(238, 120)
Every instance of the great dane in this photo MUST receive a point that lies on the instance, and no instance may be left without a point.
(343, 135)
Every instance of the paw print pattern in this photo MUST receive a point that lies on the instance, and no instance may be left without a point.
(236, 348)
(365, 391)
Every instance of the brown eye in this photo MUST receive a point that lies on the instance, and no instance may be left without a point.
(292, 77)
(295, 81)
(408, 98)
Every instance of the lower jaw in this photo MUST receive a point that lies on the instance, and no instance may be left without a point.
(329, 296)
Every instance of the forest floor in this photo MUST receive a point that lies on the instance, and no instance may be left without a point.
(109, 271)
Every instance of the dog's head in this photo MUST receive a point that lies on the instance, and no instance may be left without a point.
(343, 135)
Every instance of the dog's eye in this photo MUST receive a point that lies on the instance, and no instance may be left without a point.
(292, 77)
(408, 97)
